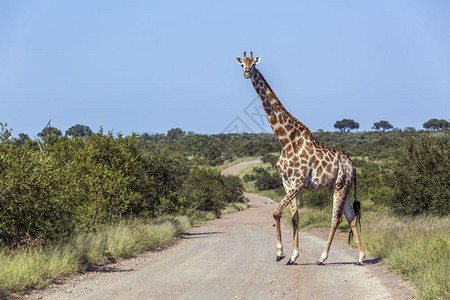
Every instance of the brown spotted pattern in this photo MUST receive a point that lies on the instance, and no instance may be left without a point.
(304, 163)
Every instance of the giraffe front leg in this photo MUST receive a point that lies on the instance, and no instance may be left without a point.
(294, 214)
(277, 217)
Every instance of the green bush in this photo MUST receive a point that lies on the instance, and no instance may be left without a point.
(383, 195)
(315, 198)
(32, 206)
(271, 159)
(421, 180)
(161, 183)
(266, 180)
(234, 189)
(206, 189)
(71, 186)
(248, 177)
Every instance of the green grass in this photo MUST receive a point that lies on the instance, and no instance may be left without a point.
(249, 169)
(311, 217)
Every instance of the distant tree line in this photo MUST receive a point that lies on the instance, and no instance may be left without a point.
(346, 125)
(436, 124)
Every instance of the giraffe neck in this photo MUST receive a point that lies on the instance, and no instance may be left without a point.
(285, 126)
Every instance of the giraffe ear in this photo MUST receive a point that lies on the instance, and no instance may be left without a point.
(239, 61)
(257, 60)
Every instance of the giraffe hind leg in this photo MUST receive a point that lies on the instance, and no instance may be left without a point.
(334, 224)
(295, 219)
(338, 207)
(352, 220)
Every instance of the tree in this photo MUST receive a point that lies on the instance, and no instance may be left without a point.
(436, 124)
(410, 129)
(175, 133)
(79, 130)
(49, 131)
(22, 139)
(382, 126)
(145, 136)
(345, 125)
(5, 132)
(49, 135)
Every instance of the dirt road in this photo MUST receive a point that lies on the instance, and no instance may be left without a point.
(234, 257)
(234, 169)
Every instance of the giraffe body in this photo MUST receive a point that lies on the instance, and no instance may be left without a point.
(305, 163)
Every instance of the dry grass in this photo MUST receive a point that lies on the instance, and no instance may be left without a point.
(21, 270)
(416, 247)
(233, 207)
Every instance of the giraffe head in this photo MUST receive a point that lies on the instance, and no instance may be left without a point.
(248, 64)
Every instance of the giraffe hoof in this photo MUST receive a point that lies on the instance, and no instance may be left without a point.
(291, 262)
(320, 263)
(280, 257)
(359, 263)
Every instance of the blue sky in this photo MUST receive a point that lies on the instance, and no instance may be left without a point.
(148, 66)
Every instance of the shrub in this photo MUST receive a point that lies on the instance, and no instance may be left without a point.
(234, 189)
(380, 195)
(206, 189)
(315, 198)
(266, 180)
(421, 180)
(248, 177)
(271, 159)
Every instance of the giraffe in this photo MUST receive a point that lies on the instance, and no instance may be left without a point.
(305, 163)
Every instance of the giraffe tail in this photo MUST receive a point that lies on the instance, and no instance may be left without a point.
(356, 208)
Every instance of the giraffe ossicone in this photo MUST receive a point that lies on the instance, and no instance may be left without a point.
(305, 163)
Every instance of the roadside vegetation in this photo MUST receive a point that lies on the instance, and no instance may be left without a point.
(415, 247)
(38, 266)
